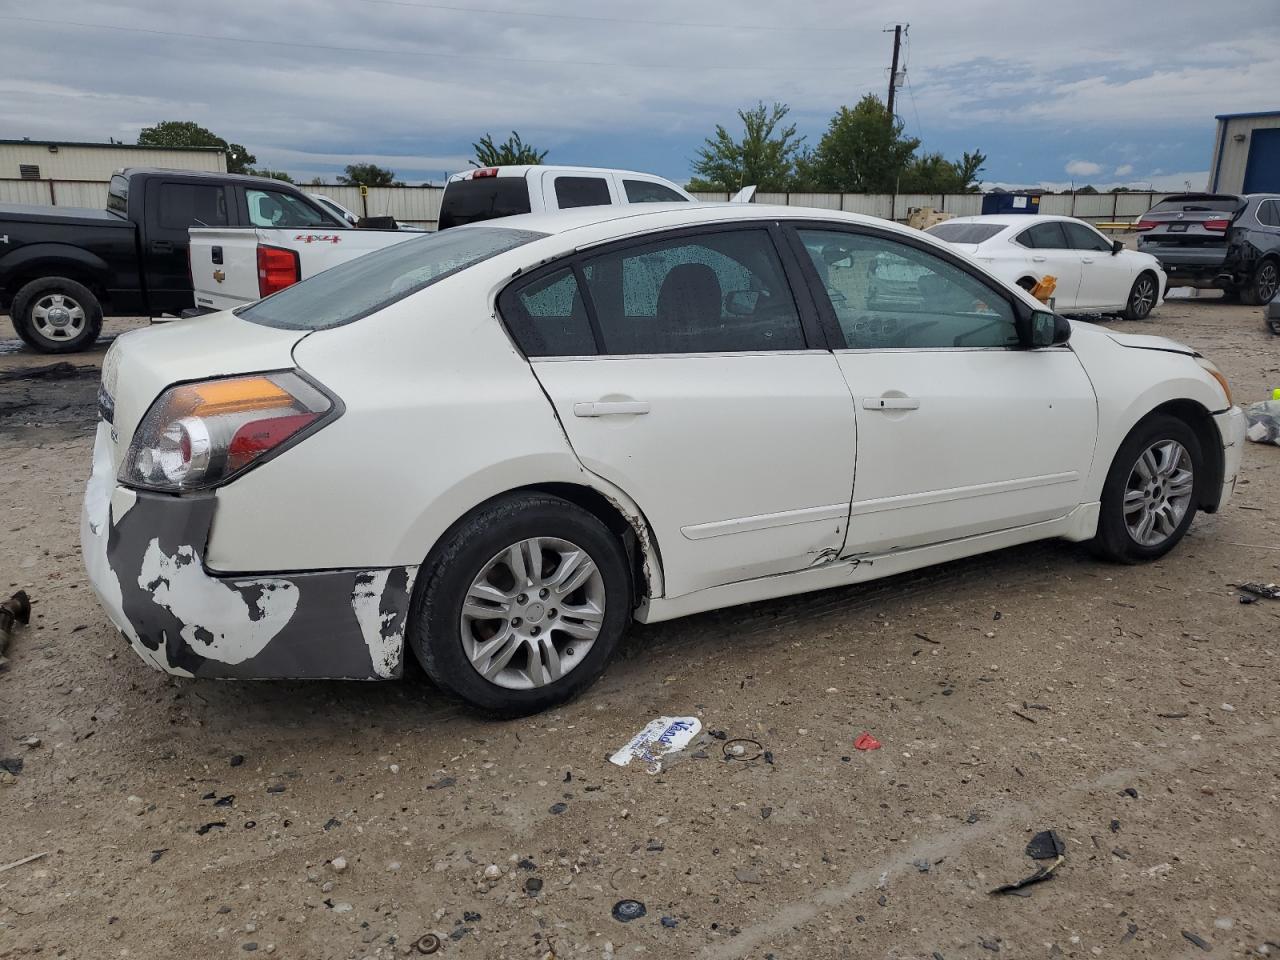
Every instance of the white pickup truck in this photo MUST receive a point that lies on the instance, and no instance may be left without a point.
(231, 266)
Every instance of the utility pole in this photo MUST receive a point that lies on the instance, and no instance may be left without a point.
(893, 70)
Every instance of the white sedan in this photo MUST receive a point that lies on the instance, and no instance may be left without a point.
(1094, 274)
(498, 445)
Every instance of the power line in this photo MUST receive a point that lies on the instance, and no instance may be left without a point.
(382, 51)
(595, 19)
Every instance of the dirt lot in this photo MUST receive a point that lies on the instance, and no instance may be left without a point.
(1133, 710)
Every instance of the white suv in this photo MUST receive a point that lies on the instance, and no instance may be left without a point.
(491, 192)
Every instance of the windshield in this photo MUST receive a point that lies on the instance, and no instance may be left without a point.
(359, 287)
(965, 232)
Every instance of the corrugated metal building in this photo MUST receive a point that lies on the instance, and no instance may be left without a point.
(1246, 153)
(58, 160)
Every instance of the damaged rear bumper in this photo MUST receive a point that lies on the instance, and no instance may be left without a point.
(144, 553)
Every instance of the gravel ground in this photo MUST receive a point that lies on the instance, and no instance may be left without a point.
(1132, 710)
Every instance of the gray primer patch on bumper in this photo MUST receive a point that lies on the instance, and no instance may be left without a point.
(338, 624)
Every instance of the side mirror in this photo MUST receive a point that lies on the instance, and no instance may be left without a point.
(741, 303)
(1116, 246)
(1040, 328)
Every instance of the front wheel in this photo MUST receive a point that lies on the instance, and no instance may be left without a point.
(1142, 298)
(1263, 286)
(524, 602)
(1151, 492)
(57, 315)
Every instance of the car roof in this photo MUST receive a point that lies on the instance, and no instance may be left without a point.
(1011, 219)
(210, 175)
(585, 226)
(522, 170)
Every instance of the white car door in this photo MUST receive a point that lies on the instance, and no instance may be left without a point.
(1105, 278)
(1049, 254)
(691, 378)
(960, 432)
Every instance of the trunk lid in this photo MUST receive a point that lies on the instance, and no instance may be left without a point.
(142, 363)
(1191, 220)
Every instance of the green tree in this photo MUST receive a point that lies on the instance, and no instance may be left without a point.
(933, 173)
(512, 152)
(765, 156)
(368, 175)
(273, 174)
(863, 151)
(186, 133)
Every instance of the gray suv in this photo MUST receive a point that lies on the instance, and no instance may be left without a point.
(1221, 241)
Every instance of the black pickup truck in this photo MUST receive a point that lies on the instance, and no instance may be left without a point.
(63, 269)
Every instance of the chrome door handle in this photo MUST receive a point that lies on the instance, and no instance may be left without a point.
(890, 403)
(1039, 259)
(611, 408)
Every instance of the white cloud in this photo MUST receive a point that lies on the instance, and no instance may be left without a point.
(1083, 168)
(1124, 169)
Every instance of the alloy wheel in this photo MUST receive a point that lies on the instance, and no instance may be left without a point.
(1268, 282)
(532, 613)
(58, 318)
(1143, 298)
(1158, 492)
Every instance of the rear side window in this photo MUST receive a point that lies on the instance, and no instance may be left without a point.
(581, 192)
(1044, 236)
(270, 208)
(1269, 213)
(486, 198)
(645, 191)
(185, 205)
(708, 293)
(965, 232)
(548, 318)
(1084, 238)
(359, 287)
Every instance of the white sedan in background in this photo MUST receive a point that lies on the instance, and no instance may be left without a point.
(497, 445)
(1094, 274)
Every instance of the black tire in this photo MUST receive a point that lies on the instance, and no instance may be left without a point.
(1263, 285)
(435, 629)
(38, 294)
(1142, 297)
(1114, 540)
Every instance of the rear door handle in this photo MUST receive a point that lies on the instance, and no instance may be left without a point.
(611, 408)
(161, 246)
(890, 403)
(1039, 259)
(1086, 259)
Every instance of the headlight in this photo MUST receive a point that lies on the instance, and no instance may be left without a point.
(1214, 372)
(199, 435)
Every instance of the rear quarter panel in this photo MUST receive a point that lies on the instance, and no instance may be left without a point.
(442, 413)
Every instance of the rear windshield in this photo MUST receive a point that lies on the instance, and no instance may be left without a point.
(965, 232)
(1198, 204)
(359, 287)
(118, 195)
(470, 201)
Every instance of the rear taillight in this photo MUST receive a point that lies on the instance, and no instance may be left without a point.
(1219, 225)
(200, 435)
(277, 268)
(1146, 225)
(485, 172)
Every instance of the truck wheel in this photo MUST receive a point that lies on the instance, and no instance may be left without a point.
(57, 315)
(1262, 286)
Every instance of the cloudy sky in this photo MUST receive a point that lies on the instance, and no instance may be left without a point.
(1097, 92)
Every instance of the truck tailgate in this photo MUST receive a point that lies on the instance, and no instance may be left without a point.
(224, 260)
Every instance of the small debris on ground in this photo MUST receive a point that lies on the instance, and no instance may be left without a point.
(624, 911)
(1197, 940)
(866, 741)
(1045, 845)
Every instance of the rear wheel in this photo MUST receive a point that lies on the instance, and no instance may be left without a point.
(57, 315)
(1151, 492)
(1142, 297)
(1263, 285)
(523, 604)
